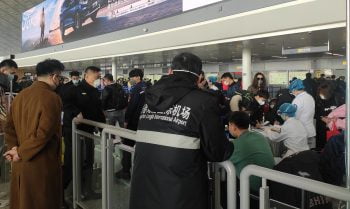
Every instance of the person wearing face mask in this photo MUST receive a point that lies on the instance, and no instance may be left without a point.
(294, 141)
(67, 94)
(305, 109)
(8, 69)
(259, 83)
(326, 101)
(252, 104)
(33, 136)
(132, 115)
(250, 148)
(179, 131)
(87, 103)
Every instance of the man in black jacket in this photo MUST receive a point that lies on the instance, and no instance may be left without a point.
(114, 101)
(70, 111)
(132, 115)
(179, 132)
(86, 99)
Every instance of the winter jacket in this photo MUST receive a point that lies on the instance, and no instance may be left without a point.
(178, 133)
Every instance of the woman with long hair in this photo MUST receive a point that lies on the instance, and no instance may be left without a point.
(259, 83)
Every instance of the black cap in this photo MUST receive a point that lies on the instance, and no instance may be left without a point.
(136, 73)
(187, 62)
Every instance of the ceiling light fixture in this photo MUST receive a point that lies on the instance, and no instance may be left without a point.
(279, 57)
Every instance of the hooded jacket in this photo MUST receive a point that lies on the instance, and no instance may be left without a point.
(178, 133)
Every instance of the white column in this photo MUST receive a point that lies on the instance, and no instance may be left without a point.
(246, 65)
(114, 68)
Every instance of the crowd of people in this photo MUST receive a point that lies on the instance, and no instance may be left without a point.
(180, 125)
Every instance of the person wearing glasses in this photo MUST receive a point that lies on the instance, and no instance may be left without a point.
(259, 83)
(33, 136)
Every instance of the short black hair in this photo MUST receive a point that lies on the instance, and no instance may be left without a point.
(308, 75)
(49, 66)
(333, 76)
(93, 68)
(323, 75)
(240, 119)
(74, 73)
(136, 73)
(187, 61)
(8, 63)
(227, 75)
(108, 77)
(263, 93)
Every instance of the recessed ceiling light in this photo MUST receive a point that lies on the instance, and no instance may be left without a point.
(262, 43)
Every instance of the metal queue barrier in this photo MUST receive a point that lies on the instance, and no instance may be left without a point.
(306, 184)
(107, 148)
(76, 155)
(223, 170)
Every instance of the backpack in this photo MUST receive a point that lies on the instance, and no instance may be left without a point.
(119, 98)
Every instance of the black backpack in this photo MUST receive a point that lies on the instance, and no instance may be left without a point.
(119, 98)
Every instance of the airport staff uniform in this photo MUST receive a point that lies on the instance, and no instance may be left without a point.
(179, 131)
(34, 125)
(305, 113)
(88, 102)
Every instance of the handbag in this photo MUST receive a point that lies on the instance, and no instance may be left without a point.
(333, 132)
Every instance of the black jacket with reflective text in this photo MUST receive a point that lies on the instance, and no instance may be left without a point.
(178, 133)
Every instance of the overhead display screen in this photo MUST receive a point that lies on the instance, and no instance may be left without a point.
(56, 22)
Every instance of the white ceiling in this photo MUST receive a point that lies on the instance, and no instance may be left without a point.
(262, 49)
(10, 24)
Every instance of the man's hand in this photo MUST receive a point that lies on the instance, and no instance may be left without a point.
(326, 120)
(125, 125)
(12, 155)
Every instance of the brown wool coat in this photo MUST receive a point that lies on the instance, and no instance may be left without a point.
(33, 125)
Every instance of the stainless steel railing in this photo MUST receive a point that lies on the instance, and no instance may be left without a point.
(107, 148)
(328, 190)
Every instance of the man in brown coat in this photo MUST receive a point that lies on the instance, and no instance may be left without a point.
(32, 134)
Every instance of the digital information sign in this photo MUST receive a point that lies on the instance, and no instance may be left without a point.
(56, 22)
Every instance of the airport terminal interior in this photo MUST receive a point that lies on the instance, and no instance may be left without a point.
(174, 104)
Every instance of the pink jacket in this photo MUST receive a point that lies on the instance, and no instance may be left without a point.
(339, 115)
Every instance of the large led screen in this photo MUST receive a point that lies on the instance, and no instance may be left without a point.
(56, 22)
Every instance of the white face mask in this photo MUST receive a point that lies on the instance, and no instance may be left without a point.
(97, 83)
(272, 106)
(284, 117)
(322, 97)
(261, 102)
(75, 82)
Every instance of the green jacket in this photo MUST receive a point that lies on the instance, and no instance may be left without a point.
(252, 148)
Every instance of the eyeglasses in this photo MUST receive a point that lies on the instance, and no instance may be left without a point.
(60, 78)
(260, 78)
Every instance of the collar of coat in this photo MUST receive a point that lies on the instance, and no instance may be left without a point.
(42, 85)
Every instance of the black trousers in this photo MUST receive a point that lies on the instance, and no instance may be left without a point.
(68, 164)
(126, 158)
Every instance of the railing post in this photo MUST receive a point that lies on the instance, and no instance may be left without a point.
(74, 163)
(110, 165)
(104, 170)
(264, 199)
